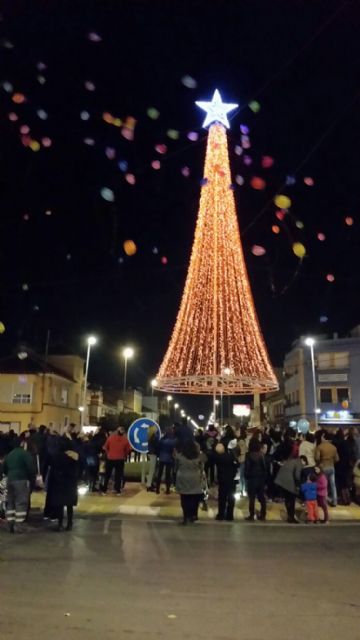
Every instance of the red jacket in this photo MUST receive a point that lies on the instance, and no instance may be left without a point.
(117, 447)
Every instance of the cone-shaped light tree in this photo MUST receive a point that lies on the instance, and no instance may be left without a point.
(217, 345)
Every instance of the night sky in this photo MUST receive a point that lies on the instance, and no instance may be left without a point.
(299, 60)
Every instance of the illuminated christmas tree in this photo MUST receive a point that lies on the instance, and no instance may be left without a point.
(217, 344)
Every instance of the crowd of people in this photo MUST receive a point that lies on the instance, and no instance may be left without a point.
(313, 470)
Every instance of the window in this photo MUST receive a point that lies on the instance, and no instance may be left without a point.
(341, 360)
(64, 396)
(325, 395)
(21, 398)
(333, 360)
(342, 394)
(324, 360)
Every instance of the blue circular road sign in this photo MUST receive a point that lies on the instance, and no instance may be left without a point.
(138, 433)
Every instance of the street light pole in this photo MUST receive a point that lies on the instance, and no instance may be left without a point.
(128, 352)
(90, 342)
(310, 343)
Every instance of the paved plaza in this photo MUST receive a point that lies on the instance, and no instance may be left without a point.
(126, 577)
(137, 501)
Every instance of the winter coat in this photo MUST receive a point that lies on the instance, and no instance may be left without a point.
(326, 455)
(153, 443)
(63, 477)
(188, 475)
(226, 467)
(309, 491)
(322, 484)
(166, 449)
(308, 449)
(117, 447)
(242, 449)
(19, 465)
(255, 468)
(289, 475)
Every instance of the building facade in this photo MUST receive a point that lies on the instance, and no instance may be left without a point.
(35, 392)
(337, 379)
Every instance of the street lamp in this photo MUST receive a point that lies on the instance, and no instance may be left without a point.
(128, 353)
(154, 384)
(91, 341)
(310, 342)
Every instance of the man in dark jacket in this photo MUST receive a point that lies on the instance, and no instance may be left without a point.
(20, 471)
(226, 471)
(166, 459)
(255, 476)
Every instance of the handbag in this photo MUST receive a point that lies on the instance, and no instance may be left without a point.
(39, 482)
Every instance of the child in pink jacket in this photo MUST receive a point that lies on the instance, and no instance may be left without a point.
(322, 485)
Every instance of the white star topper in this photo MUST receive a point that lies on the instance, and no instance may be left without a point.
(216, 110)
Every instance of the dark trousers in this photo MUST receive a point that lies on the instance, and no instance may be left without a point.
(70, 514)
(92, 474)
(226, 501)
(256, 490)
(118, 465)
(322, 503)
(290, 499)
(168, 470)
(210, 470)
(190, 505)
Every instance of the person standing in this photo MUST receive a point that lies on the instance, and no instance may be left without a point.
(166, 459)
(20, 471)
(255, 476)
(153, 451)
(288, 479)
(117, 448)
(327, 456)
(321, 486)
(226, 470)
(309, 491)
(307, 448)
(62, 483)
(189, 468)
(242, 450)
(211, 439)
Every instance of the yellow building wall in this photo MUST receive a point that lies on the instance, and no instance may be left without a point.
(55, 400)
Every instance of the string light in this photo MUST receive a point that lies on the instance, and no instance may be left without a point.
(217, 328)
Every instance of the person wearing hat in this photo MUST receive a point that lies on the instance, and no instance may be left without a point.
(226, 471)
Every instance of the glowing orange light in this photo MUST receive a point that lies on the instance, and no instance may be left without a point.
(275, 229)
(217, 328)
(18, 98)
(130, 247)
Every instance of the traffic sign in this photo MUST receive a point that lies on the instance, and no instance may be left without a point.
(138, 433)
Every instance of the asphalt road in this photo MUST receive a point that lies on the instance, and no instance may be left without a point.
(113, 578)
